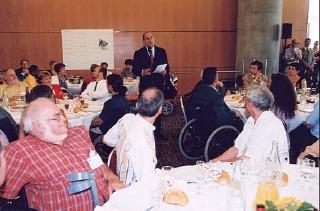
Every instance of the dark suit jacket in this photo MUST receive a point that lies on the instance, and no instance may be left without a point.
(141, 60)
(216, 109)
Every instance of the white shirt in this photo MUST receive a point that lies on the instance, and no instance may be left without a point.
(134, 141)
(255, 141)
(100, 93)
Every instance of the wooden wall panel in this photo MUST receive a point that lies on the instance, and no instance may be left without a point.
(195, 33)
(155, 15)
(23, 16)
(296, 12)
(184, 49)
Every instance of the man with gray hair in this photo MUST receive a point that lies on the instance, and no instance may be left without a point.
(260, 131)
(134, 140)
(43, 160)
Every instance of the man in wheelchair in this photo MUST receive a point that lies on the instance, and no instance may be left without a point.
(207, 105)
(206, 111)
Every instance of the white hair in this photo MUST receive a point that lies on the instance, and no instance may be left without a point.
(27, 124)
(261, 97)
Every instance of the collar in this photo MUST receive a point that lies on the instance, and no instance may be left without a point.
(145, 123)
(261, 118)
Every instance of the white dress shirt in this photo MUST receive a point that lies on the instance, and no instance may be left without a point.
(255, 141)
(97, 90)
(134, 141)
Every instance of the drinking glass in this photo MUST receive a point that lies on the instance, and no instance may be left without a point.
(65, 96)
(66, 105)
(306, 170)
(215, 172)
(167, 177)
(201, 175)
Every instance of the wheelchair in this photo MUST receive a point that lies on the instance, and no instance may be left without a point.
(200, 140)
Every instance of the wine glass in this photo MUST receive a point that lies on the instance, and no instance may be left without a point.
(201, 174)
(306, 170)
(65, 96)
(66, 105)
(215, 172)
(167, 178)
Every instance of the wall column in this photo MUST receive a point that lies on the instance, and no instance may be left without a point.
(258, 34)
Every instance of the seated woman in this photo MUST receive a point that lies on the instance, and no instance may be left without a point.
(41, 91)
(114, 108)
(285, 102)
(45, 79)
(97, 90)
(297, 81)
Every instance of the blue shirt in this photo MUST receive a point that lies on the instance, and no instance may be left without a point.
(313, 119)
(112, 111)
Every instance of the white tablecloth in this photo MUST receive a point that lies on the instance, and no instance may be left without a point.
(300, 115)
(74, 119)
(132, 86)
(137, 196)
(74, 89)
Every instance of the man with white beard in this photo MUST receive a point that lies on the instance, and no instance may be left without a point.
(42, 161)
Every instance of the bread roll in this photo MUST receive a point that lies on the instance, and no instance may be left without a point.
(176, 197)
(85, 105)
(224, 178)
(77, 109)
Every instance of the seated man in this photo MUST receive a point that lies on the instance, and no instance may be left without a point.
(134, 140)
(260, 130)
(127, 71)
(62, 74)
(12, 87)
(254, 76)
(206, 96)
(42, 161)
(97, 90)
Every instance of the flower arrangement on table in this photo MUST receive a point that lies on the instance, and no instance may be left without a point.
(287, 204)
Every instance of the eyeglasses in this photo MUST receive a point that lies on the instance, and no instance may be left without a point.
(57, 117)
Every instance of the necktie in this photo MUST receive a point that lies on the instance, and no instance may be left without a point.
(95, 87)
(151, 55)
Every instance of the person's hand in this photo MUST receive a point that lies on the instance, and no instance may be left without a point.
(219, 84)
(258, 77)
(228, 93)
(238, 114)
(147, 71)
(3, 165)
(114, 184)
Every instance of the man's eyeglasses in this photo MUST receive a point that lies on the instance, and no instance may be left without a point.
(57, 117)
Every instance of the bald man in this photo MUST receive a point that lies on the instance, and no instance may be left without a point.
(42, 161)
(134, 140)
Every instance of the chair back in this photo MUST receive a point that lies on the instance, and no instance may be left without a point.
(112, 161)
(82, 181)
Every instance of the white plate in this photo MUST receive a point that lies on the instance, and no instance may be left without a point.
(93, 109)
(73, 115)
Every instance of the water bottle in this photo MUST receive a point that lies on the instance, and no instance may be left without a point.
(5, 100)
(236, 199)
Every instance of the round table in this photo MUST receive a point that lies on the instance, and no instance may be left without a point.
(74, 119)
(301, 113)
(137, 196)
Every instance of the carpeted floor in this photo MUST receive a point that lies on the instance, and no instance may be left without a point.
(168, 152)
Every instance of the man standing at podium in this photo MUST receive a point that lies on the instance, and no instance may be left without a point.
(146, 61)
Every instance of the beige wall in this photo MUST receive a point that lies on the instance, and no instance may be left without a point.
(296, 12)
(194, 33)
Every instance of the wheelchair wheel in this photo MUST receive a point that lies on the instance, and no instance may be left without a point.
(191, 145)
(219, 141)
